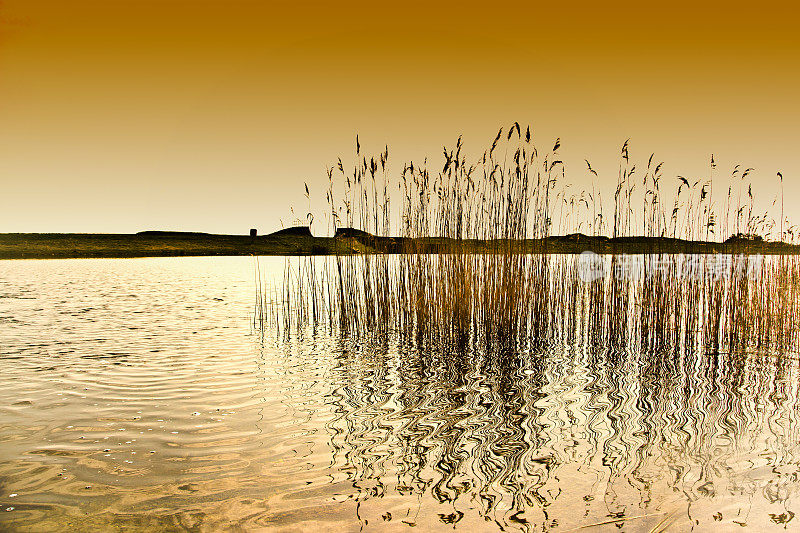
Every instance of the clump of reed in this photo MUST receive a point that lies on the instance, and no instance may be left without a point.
(497, 283)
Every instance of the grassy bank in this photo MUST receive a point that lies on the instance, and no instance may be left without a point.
(73, 245)
(77, 245)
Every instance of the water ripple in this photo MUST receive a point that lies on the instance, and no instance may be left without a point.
(136, 396)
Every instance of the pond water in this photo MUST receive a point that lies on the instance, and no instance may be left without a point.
(136, 394)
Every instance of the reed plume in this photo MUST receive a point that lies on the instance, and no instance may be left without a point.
(494, 281)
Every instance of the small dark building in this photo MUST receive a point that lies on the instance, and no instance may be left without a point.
(253, 232)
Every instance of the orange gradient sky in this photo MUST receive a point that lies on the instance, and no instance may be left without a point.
(123, 115)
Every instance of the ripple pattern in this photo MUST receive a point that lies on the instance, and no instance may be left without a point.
(136, 395)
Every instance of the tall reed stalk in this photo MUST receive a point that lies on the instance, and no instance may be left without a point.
(499, 285)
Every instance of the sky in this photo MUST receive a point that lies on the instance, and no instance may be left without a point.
(128, 115)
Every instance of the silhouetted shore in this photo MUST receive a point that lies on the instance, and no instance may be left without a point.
(347, 242)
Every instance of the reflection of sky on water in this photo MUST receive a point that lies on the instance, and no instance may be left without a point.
(136, 394)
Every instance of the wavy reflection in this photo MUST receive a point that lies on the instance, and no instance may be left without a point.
(566, 437)
(175, 415)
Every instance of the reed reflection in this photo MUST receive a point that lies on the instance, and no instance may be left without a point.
(564, 436)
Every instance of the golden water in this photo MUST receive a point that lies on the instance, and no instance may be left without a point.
(134, 394)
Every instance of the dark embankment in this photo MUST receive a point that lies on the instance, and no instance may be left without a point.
(294, 241)
(157, 243)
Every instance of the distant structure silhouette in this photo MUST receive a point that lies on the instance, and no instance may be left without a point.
(295, 231)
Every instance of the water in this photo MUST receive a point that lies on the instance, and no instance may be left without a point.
(136, 394)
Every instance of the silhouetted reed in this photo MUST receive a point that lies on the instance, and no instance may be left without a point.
(496, 283)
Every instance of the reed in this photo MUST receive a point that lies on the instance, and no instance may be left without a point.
(499, 285)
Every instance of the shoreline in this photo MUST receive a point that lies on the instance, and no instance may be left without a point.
(179, 244)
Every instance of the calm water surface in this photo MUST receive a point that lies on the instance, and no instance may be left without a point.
(136, 395)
